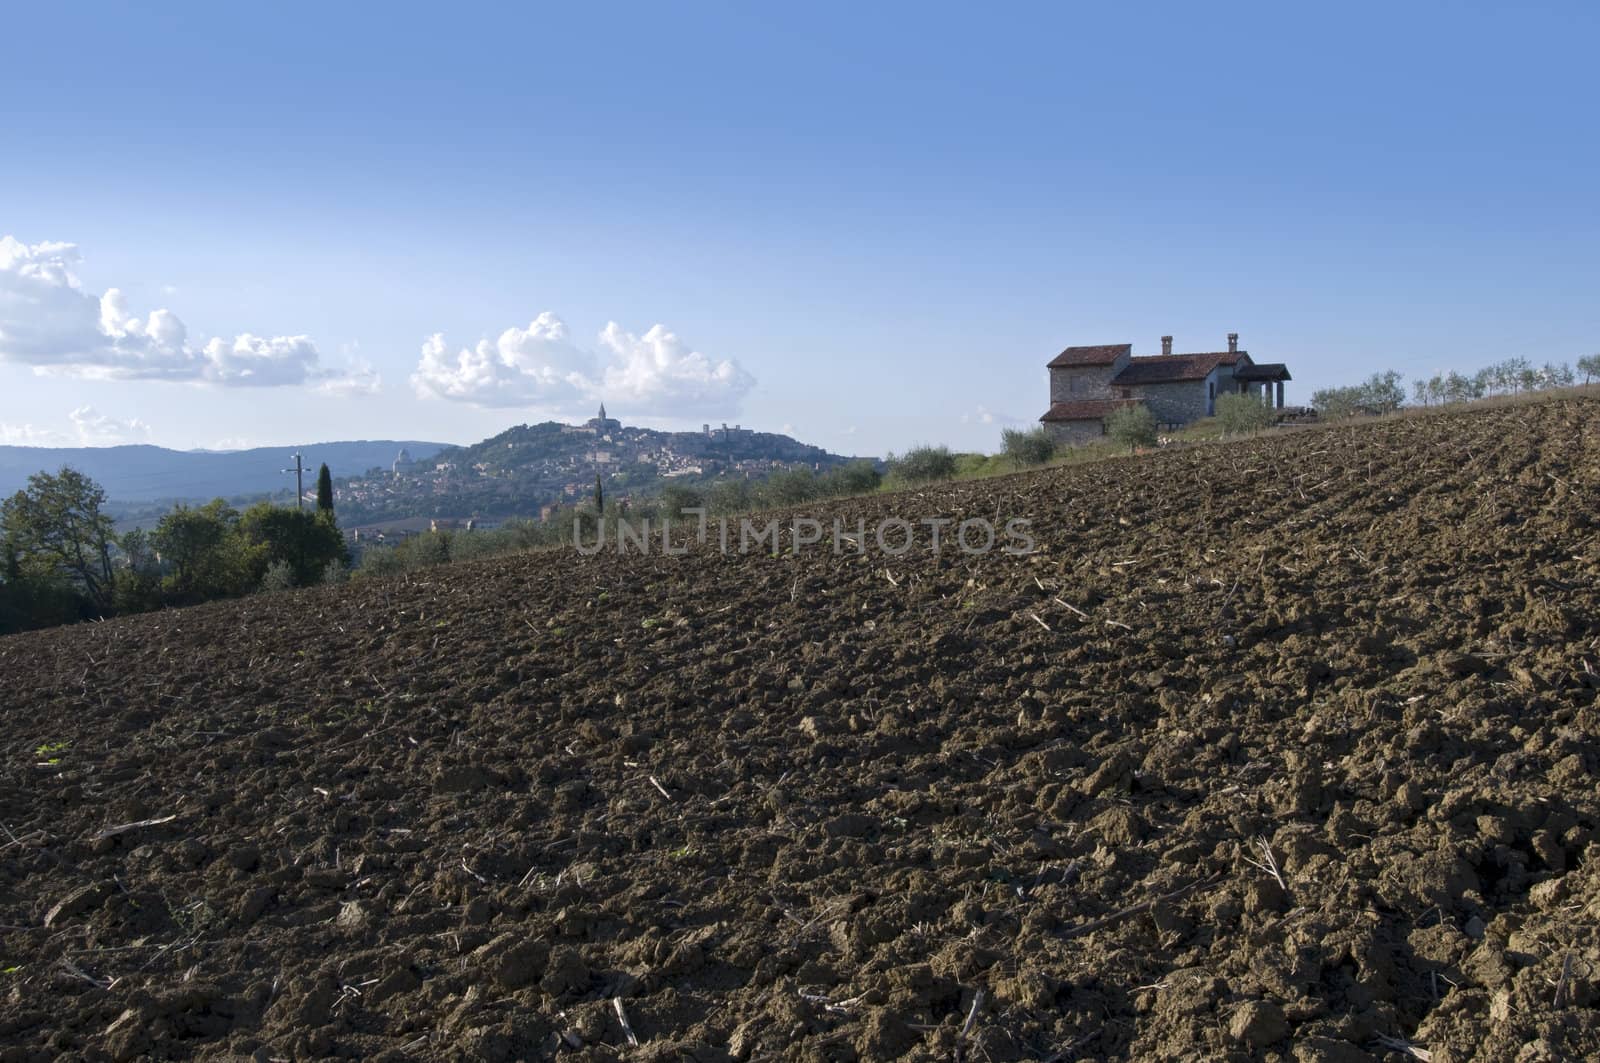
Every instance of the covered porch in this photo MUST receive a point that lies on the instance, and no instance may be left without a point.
(1265, 380)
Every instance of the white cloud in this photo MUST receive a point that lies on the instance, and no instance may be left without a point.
(48, 321)
(534, 366)
(360, 379)
(96, 429)
(659, 372)
(90, 427)
(656, 374)
(26, 435)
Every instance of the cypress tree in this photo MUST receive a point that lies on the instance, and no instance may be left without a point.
(324, 490)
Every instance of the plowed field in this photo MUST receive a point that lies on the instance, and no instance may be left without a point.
(1276, 750)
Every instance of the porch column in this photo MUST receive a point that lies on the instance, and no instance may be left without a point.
(1280, 394)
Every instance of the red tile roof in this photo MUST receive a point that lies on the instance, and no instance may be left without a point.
(1085, 409)
(1104, 354)
(1171, 368)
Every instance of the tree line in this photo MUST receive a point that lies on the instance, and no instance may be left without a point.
(1384, 393)
(62, 560)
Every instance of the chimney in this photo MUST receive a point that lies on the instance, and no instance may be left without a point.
(1166, 344)
(1233, 343)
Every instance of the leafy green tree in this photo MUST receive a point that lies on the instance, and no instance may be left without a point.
(1527, 378)
(1556, 375)
(1336, 403)
(1458, 388)
(205, 552)
(58, 532)
(675, 498)
(138, 573)
(1132, 427)
(1031, 447)
(1239, 414)
(921, 465)
(1382, 392)
(790, 487)
(306, 542)
(859, 477)
(1589, 366)
(732, 495)
(324, 490)
(1507, 375)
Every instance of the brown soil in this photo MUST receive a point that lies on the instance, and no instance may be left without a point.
(977, 808)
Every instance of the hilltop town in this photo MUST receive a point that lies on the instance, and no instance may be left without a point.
(526, 470)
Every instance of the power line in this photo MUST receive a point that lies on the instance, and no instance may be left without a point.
(299, 481)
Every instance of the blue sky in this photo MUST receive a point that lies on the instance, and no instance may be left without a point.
(872, 224)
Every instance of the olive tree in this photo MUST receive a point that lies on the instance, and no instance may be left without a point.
(1031, 447)
(1132, 427)
(1240, 414)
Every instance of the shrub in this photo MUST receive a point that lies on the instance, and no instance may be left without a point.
(921, 465)
(1239, 414)
(429, 548)
(730, 496)
(279, 576)
(335, 572)
(380, 561)
(1033, 447)
(464, 546)
(859, 477)
(675, 498)
(788, 488)
(1132, 427)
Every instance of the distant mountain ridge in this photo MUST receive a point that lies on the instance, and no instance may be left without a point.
(145, 473)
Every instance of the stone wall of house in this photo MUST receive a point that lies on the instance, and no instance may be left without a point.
(1075, 433)
(1081, 382)
(1182, 401)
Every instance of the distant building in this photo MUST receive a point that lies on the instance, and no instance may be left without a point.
(1088, 383)
(603, 423)
(403, 464)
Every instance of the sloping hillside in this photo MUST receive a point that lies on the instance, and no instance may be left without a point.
(1284, 750)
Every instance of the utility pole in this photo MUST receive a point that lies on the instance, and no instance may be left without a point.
(299, 471)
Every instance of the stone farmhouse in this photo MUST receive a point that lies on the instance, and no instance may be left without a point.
(1088, 383)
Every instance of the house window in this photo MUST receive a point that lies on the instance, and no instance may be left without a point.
(1211, 396)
